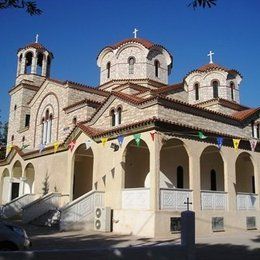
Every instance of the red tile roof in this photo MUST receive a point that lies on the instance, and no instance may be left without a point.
(241, 115)
(146, 43)
(213, 66)
(166, 89)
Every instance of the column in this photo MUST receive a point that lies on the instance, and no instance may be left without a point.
(155, 172)
(10, 190)
(22, 66)
(22, 184)
(194, 178)
(229, 157)
(116, 118)
(18, 67)
(44, 132)
(44, 66)
(48, 131)
(34, 63)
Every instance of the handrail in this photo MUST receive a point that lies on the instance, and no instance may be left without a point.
(41, 199)
(18, 198)
(214, 191)
(176, 189)
(72, 203)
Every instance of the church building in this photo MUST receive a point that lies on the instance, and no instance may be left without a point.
(131, 154)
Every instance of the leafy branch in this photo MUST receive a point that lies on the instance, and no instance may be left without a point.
(202, 3)
(29, 6)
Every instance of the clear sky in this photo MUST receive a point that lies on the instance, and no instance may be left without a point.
(75, 31)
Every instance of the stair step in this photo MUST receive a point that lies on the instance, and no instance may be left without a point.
(49, 219)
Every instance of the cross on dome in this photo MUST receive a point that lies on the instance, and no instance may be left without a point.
(36, 38)
(135, 33)
(210, 56)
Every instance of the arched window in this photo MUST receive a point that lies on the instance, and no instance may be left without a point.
(15, 107)
(213, 180)
(131, 62)
(156, 67)
(180, 177)
(113, 117)
(12, 138)
(108, 69)
(23, 139)
(28, 62)
(215, 89)
(47, 127)
(232, 87)
(119, 115)
(48, 67)
(196, 87)
(74, 120)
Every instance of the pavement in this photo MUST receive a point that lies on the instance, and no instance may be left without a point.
(49, 243)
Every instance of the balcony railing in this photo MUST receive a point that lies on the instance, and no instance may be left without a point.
(213, 200)
(136, 198)
(246, 201)
(173, 199)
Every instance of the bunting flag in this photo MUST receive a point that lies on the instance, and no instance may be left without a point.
(41, 147)
(201, 135)
(152, 135)
(120, 140)
(236, 143)
(253, 144)
(104, 141)
(72, 145)
(137, 138)
(24, 146)
(9, 148)
(220, 142)
(56, 146)
(88, 144)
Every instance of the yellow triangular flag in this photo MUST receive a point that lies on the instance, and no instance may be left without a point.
(9, 148)
(236, 143)
(104, 140)
(56, 146)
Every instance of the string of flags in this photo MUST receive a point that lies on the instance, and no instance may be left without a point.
(137, 138)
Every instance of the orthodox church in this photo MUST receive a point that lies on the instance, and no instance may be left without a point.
(129, 155)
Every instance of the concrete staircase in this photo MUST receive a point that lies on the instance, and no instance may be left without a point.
(49, 219)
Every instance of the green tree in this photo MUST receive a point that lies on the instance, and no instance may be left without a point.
(202, 3)
(29, 6)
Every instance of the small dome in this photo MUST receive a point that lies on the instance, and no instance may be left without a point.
(214, 66)
(37, 46)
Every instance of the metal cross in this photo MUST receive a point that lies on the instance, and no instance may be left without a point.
(188, 203)
(36, 38)
(135, 32)
(210, 56)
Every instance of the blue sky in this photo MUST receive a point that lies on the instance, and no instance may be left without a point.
(75, 31)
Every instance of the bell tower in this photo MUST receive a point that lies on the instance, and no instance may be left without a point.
(34, 63)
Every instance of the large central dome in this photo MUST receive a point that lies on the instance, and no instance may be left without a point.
(133, 59)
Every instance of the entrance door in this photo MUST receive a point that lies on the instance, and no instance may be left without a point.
(15, 190)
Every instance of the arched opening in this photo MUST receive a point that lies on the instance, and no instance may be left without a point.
(28, 62)
(108, 69)
(48, 67)
(39, 64)
(47, 128)
(136, 164)
(119, 115)
(232, 87)
(212, 169)
(113, 117)
(156, 67)
(174, 166)
(131, 63)
(83, 171)
(245, 181)
(215, 88)
(29, 179)
(16, 179)
(5, 185)
(196, 87)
